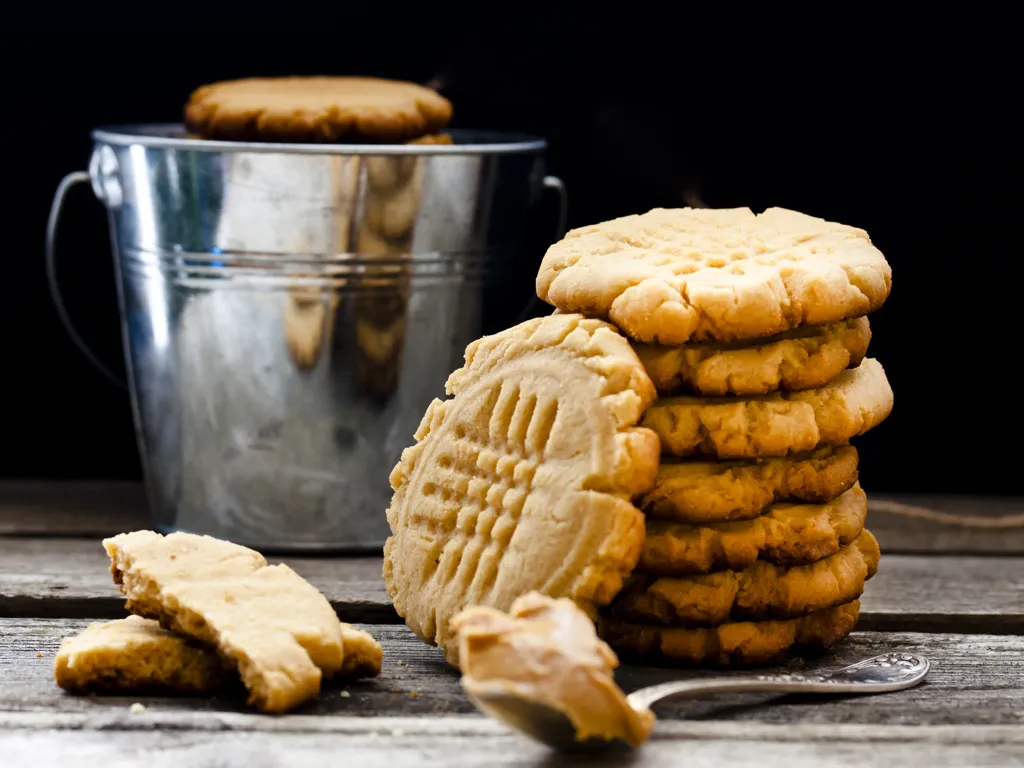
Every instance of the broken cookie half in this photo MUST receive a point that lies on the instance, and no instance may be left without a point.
(212, 607)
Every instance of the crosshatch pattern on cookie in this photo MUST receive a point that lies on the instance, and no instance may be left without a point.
(540, 434)
(487, 487)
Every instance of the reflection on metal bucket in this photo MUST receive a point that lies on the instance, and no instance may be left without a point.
(289, 315)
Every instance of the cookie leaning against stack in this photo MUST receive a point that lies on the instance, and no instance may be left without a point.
(522, 480)
(753, 329)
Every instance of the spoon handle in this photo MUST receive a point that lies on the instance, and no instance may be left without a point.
(888, 672)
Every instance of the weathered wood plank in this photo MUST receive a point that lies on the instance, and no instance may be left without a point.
(70, 578)
(910, 524)
(975, 680)
(93, 509)
(32, 741)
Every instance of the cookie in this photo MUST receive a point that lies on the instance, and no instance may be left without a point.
(135, 654)
(719, 491)
(267, 621)
(522, 480)
(804, 358)
(363, 654)
(763, 591)
(778, 424)
(735, 643)
(787, 534)
(316, 109)
(138, 655)
(548, 651)
(679, 275)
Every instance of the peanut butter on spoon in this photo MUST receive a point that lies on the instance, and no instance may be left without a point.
(547, 652)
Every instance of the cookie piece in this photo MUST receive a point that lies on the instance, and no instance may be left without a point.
(763, 591)
(678, 275)
(267, 621)
(804, 358)
(787, 534)
(548, 651)
(132, 655)
(522, 480)
(363, 654)
(735, 643)
(316, 109)
(778, 424)
(700, 492)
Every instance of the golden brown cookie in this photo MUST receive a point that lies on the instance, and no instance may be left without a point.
(679, 275)
(763, 591)
(719, 491)
(267, 621)
(803, 358)
(735, 643)
(778, 424)
(522, 480)
(136, 654)
(788, 534)
(363, 654)
(316, 109)
(436, 139)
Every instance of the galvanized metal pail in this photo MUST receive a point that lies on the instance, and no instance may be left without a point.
(289, 311)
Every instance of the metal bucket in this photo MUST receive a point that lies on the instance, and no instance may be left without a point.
(289, 311)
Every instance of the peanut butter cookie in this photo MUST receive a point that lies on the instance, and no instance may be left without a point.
(317, 109)
(522, 480)
(679, 275)
(736, 643)
(804, 358)
(763, 591)
(788, 534)
(267, 621)
(778, 424)
(136, 654)
(719, 491)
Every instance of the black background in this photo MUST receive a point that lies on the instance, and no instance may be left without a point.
(642, 108)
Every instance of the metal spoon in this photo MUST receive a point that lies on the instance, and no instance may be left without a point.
(881, 674)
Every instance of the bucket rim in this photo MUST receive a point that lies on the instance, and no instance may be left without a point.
(174, 136)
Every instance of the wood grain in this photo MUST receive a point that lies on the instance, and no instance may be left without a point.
(96, 509)
(70, 578)
(34, 741)
(975, 680)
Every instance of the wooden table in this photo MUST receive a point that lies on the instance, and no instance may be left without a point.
(952, 593)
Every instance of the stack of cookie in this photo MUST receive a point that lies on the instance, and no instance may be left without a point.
(721, 399)
(753, 330)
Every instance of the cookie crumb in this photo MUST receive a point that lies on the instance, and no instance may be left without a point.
(414, 693)
(346, 695)
(137, 708)
(39, 654)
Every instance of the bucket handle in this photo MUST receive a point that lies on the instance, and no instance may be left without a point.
(69, 181)
(558, 186)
